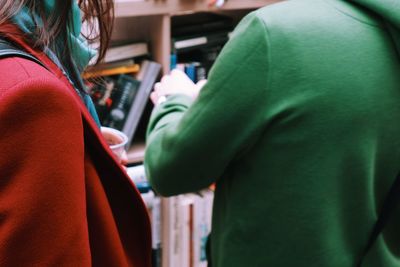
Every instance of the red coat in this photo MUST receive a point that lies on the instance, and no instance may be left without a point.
(64, 200)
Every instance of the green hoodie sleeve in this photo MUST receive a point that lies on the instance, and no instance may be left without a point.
(189, 145)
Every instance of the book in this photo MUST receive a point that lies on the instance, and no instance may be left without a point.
(171, 247)
(110, 65)
(156, 222)
(121, 52)
(195, 41)
(101, 95)
(195, 71)
(98, 72)
(202, 210)
(122, 97)
(186, 201)
(148, 74)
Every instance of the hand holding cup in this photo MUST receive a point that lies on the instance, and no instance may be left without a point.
(117, 141)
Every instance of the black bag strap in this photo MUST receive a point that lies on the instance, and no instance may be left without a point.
(8, 49)
(389, 206)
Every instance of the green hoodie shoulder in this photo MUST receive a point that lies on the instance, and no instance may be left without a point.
(298, 127)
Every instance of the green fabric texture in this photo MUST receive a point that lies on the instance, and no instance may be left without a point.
(298, 126)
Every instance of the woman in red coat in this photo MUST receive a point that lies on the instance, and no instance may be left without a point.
(64, 199)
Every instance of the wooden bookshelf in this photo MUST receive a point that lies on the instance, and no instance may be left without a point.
(150, 21)
(131, 8)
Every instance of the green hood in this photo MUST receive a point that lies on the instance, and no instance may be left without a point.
(389, 10)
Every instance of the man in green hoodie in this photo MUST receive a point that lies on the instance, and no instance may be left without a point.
(299, 127)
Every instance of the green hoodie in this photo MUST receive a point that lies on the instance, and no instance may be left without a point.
(298, 126)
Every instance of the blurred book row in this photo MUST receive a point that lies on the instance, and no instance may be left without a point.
(180, 224)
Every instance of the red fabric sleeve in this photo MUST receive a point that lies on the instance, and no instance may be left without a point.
(42, 187)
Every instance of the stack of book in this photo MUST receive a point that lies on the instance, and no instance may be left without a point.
(197, 40)
(120, 86)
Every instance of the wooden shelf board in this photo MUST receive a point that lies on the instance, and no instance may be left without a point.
(136, 152)
(129, 8)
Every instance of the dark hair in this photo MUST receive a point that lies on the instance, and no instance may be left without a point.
(98, 15)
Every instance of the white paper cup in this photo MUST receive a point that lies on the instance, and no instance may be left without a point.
(116, 140)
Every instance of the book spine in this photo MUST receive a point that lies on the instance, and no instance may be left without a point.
(126, 51)
(109, 72)
(156, 232)
(192, 42)
(184, 216)
(147, 76)
(202, 227)
(195, 71)
(190, 70)
(171, 233)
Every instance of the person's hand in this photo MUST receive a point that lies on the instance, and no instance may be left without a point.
(124, 158)
(200, 84)
(177, 82)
